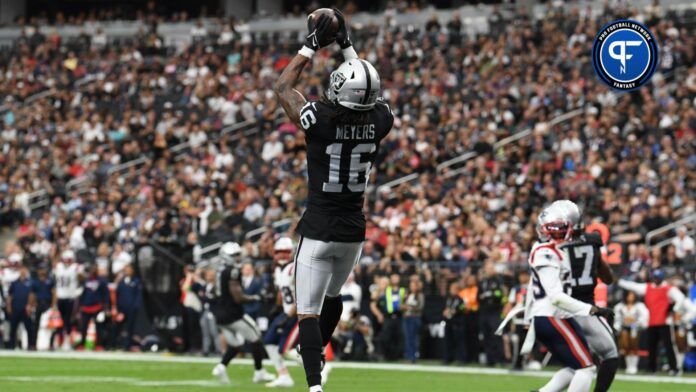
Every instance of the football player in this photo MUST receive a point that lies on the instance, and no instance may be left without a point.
(550, 309)
(236, 327)
(343, 131)
(278, 338)
(586, 265)
(67, 272)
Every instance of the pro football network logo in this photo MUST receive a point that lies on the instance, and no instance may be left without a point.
(624, 54)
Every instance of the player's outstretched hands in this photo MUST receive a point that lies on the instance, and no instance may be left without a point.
(343, 35)
(319, 32)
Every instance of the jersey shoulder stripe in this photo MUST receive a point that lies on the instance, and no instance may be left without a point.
(545, 248)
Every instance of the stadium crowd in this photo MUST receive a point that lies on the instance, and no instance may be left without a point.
(443, 248)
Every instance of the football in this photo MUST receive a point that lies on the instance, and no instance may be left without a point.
(329, 12)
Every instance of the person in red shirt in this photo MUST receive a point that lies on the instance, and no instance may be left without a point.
(660, 298)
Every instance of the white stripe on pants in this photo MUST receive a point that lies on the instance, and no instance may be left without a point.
(321, 269)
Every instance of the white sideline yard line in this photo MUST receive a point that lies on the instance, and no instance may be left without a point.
(146, 357)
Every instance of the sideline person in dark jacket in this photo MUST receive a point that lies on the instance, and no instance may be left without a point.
(128, 303)
(94, 300)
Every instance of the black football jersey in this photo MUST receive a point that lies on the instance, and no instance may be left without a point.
(340, 156)
(225, 308)
(585, 254)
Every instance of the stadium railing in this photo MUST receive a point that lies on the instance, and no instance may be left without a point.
(41, 198)
(207, 251)
(688, 221)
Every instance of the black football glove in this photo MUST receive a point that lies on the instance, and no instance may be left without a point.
(607, 313)
(342, 36)
(319, 33)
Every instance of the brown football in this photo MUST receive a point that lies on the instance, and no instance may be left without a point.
(330, 13)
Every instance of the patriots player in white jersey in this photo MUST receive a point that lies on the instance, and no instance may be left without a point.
(66, 273)
(550, 308)
(9, 272)
(282, 333)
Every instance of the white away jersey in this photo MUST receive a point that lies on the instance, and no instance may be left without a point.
(284, 279)
(7, 276)
(67, 284)
(537, 303)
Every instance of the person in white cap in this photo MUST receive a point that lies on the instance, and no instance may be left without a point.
(684, 244)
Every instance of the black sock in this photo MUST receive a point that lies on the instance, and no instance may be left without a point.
(330, 315)
(310, 349)
(605, 374)
(258, 352)
(230, 353)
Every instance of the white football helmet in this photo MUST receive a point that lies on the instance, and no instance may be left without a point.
(230, 253)
(283, 250)
(354, 85)
(574, 214)
(557, 220)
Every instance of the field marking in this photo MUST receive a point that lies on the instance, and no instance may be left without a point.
(110, 380)
(151, 357)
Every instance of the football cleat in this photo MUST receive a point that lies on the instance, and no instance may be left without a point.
(263, 376)
(282, 382)
(220, 372)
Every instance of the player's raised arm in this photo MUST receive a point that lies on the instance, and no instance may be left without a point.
(290, 99)
(343, 37)
(638, 288)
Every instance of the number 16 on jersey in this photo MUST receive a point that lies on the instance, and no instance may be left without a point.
(356, 167)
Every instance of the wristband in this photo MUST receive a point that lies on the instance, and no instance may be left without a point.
(307, 52)
(349, 53)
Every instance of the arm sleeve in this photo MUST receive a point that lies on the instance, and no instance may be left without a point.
(638, 288)
(548, 277)
(309, 114)
(349, 53)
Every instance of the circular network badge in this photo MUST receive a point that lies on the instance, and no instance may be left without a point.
(624, 54)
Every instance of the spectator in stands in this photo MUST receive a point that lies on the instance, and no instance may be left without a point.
(684, 244)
